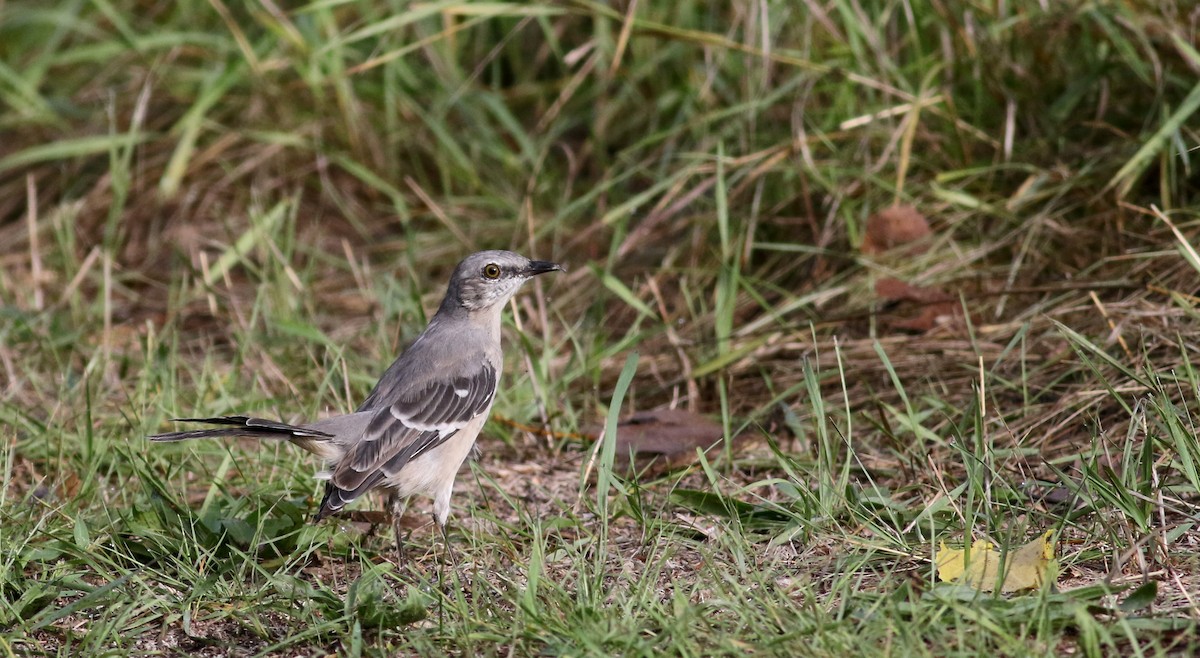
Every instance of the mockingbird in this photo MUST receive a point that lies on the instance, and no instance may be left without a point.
(418, 425)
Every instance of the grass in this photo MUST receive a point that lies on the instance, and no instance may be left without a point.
(211, 208)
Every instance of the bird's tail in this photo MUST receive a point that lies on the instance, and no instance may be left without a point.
(244, 426)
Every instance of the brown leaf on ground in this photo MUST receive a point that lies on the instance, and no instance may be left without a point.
(933, 307)
(892, 227)
(663, 438)
(894, 290)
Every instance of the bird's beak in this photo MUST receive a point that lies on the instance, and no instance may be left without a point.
(536, 267)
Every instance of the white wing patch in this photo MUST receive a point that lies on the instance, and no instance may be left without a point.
(443, 429)
(461, 392)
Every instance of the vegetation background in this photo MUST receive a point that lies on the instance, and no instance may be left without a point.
(218, 207)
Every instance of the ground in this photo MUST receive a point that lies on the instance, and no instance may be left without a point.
(930, 269)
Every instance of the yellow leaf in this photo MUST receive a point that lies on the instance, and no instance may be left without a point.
(1027, 567)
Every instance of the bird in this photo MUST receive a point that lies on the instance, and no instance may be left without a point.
(417, 426)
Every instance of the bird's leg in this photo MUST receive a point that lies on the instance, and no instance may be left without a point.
(441, 576)
(396, 505)
(447, 554)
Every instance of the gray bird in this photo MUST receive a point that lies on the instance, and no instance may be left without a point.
(415, 429)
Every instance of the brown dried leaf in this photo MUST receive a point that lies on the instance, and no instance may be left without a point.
(666, 432)
(664, 437)
(934, 307)
(895, 290)
(930, 316)
(892, 227)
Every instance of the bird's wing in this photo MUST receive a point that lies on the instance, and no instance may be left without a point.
(421, 419)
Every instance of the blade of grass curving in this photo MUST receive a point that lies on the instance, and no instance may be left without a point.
(215, 87)
(71, 149)
(608, 453)
(1125, 178)
(261, 229)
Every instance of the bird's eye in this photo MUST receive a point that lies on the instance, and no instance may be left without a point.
(491, 271)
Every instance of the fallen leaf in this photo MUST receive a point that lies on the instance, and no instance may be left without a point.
(1027, 567)
(934, 307)
(930, 316)
(663, 437)
(895, 290)
(892, 227)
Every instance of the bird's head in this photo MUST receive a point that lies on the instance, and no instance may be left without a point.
(488, 279)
